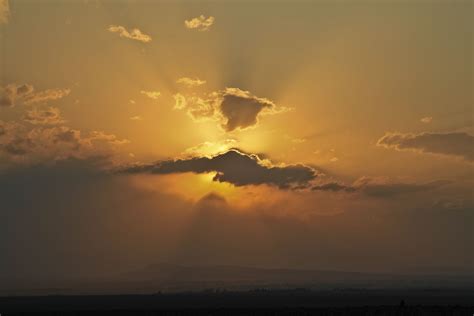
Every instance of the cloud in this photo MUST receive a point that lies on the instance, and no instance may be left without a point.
(4, 11)
(191, 82)
(241, 109)
(234, 167)
(380, 187)
(180, 102)
(333, 186)
(197, 108)
(136, 118)
(46, 95)
(426, 120)
(151, 94)
(232, 107)
(298, 140)
(49, 116)
(134, 34)
(212, 148)
(12, 94)
(41, 142)
(452, 144)
(200, 23)
(90, 210)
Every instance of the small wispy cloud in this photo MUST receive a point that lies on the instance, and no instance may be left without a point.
(134, 34)
(136, 118)
(49, 116)
(151, 94)
(426, 120)
(13, 94)
(200, 23)
(46, 95)
(4, 11)
(191, 82)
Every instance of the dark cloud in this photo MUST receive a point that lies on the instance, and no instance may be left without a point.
(236, 168)
(333, 186)
(380, 188)
(240, 109)
(396, 189)
(455, 143)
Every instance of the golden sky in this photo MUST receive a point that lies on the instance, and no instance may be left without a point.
(298, 125)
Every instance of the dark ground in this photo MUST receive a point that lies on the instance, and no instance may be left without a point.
(257, 302)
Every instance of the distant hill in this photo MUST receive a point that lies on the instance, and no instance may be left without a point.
(164, 277)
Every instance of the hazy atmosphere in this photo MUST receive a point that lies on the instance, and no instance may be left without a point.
(322, 135)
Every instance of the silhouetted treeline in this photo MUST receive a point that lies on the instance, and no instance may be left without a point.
(259, 301)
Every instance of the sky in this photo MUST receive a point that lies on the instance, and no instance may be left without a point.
(305, 134)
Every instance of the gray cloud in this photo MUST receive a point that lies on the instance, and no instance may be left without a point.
(236, 168)
(391, 189)
(241, 109)
(454, 144)
(333, 186)
(382, 188)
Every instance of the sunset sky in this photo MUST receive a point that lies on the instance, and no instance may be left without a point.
(305, 134)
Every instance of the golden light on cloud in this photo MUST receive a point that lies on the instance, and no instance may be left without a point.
(4, 11)
(200, 23)
(190, 82)
(134, 34)
(151, 94)
(189, 185)
(212, 148)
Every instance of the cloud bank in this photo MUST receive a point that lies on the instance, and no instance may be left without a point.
(380, 187)
(236, 168)
(452, 144)
(42, 142)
